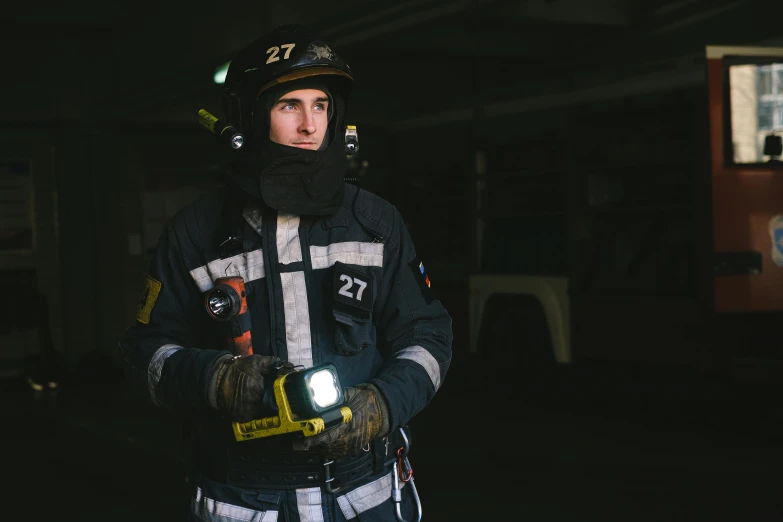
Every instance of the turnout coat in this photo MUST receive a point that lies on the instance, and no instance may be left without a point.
(347, 289)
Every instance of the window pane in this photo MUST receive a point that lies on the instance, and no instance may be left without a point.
(765, 80)
(765, 115)
(756, 105)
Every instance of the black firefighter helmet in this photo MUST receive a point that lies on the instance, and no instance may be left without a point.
(287, 53)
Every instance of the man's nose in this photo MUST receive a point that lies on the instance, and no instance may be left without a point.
(308, 123)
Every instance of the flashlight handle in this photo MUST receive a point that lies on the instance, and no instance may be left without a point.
(238, 326)
(212, 123)
(337, 416)
(225, 133)
(241, 345)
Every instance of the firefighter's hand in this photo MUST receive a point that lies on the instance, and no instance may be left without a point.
(370, 420)
(236, 386)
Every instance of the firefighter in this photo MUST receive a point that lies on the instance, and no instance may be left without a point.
(331, 275)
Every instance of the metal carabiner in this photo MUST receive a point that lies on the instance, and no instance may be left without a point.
(397, 470)
(403, 466)
(406, 444)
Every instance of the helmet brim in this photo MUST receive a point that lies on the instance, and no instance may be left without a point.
(304, 73)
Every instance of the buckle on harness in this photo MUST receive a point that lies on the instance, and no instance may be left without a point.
(328, 478)
(347, 472)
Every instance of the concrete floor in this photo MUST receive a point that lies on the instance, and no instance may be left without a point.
(589, 444)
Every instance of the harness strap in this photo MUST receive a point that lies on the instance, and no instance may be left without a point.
(298, 472)
(235, 327)
(292, 470)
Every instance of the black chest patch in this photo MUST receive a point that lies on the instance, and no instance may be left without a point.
(352, 288)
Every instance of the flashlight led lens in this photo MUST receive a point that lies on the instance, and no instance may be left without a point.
(323, 388)
(220, 303)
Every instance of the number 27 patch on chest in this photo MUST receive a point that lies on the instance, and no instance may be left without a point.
(352, 288)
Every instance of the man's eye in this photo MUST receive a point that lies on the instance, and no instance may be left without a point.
(320, 107)
(288, 106)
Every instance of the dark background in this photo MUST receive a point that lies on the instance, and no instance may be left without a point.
(519, 105)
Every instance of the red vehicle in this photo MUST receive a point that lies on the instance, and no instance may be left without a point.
(674, 255)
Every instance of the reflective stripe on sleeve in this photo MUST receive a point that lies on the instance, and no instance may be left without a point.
(366, 497)
(211, 510)
(349, 252)
(425, 359)
(309, 505)
(156, 367)
(249, 265)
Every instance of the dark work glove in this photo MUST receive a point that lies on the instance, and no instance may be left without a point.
(370, 420)
(236, 386)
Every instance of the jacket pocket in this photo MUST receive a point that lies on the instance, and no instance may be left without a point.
(353, 332)
(353, 295)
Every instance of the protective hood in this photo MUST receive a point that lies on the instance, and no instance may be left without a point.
(304, 182)
(290, 179)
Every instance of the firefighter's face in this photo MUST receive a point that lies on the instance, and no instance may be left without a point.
(299, 119)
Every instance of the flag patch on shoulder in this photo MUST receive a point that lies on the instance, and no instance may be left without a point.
(423, 280)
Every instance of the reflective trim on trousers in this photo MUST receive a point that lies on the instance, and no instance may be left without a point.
(211, 510)
(309, 505)
(366, 497)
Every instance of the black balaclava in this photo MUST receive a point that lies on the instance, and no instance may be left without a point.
(290, 179)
